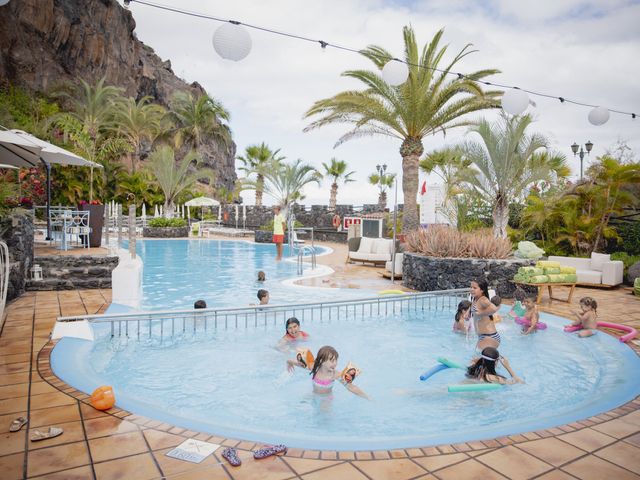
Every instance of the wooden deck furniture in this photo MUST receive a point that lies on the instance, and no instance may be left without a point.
(550, 286)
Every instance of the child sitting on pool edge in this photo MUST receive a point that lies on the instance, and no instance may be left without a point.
(484, 368)
(324, 374)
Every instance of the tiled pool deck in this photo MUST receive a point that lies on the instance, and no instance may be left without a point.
(119, 445)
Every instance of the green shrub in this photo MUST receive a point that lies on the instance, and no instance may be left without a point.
(167, 222)
(627, 259)
(629, 237)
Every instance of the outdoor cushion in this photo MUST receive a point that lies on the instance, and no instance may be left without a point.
(598, 259)
(370, 257)
(382, 245)
(589, 276)
(366, 245)
(578, 263)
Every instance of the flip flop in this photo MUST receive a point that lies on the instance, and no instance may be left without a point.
(38, 435)
(17, 424)
(231, 456)
(269, 451)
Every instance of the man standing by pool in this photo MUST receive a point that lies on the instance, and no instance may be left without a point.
(279, 226)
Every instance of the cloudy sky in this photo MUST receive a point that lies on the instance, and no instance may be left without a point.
(582, 50)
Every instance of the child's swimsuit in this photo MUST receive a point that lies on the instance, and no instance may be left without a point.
(290, 338)
(324, 385)
(481, 336)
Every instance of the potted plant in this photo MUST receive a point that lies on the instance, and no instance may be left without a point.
(96, 220)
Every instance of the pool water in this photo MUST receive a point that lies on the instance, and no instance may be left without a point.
(234, 382)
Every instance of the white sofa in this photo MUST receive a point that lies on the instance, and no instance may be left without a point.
(370, 250)
(398, 266)
(598, 270)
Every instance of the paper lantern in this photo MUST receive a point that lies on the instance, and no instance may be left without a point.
(232, 42)
(599, 116)
(515, 101)
(103, 398)
(395, 73)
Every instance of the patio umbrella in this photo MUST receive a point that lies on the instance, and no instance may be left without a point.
(203, 202)
(22, 149)
(219, 212)
(236, 205)
(155, 212)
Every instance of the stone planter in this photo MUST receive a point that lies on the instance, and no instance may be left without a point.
(165, 232)
(96, 222)
(431, 273)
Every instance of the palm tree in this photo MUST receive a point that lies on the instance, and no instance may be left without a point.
(138, 122)
(198, 119)
(428, 102)
(173, 177)
(506, 163)
(336, 170)
(259, 159)
(383, 182)
(286, 181)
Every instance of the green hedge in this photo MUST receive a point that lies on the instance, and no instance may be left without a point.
(167, 222)
(630, 237)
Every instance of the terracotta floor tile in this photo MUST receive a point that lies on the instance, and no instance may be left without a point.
(89, 412)
(15, 368)
(158, 440)
(12, 442)
(38, 388)
(587, 439)
(270, 468)
(633, 417)
(552, 450)
(12, 405)
(72, 433)
(116, 446)
(634, 440)
(12, 466)
(617, 428)
(171, 466)
(54, 415)
(623, 455)
(107, 425)
(400, 469)
(60, 457)
(139, 467)
(344, 471)
(436, 462)
(5, 420)
(471, 469)
(80, 473)
(594, 468)
(514, 463)
(305, 465)
(556, 475)
(14, 378)
(51, 399)
(215, 472)
(16, 357)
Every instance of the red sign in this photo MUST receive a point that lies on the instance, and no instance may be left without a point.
(346, 221)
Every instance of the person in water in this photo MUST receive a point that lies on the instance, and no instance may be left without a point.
(292, 333)
(461, 322)
(484, 368)
(324, 373)
(482, 310)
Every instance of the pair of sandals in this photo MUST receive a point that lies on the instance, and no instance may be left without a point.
(36, 435)
(231, 454)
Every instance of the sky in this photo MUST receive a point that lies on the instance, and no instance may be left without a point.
(582, 50)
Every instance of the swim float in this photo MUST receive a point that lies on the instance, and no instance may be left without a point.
(526, 323)
(474, 387)
(631, 332)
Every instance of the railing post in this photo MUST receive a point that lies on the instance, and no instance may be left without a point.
(107, 221)
(132, 231)
(119, 222)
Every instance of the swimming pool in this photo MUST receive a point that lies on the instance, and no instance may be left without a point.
(232, 382)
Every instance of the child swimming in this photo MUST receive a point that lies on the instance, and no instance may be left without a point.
(484, 368)
(324, 374)
(530, 317)
(293, 333)
(461, 321)
(586, 317)
(261, 276)
(518, 309)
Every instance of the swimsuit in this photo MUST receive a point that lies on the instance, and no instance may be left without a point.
(322, 386)
(291, 338)
(495, 336)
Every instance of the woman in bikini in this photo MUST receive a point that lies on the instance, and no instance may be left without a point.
(482, 310)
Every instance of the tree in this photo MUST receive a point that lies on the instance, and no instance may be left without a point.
(336, 170)
(506, 162)
(198, 119)
(173, 177)
(428, 102)
(285, 183)
(259, 159)
(138, 122)
(383, 182)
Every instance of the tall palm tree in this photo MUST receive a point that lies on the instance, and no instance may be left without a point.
(199, 119)
(383, 182)
(506, 162)
(285, 182)
(427, 103)
(337, 170)
(138, 122)
(172, 176)
(258, 159)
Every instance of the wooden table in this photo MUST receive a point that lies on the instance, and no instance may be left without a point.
(550, 286)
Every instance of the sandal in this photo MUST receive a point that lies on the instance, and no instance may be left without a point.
(269, 451)
(17, 424)
(231, 456)
(38, 435)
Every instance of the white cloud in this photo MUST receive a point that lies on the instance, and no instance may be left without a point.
(582, 50)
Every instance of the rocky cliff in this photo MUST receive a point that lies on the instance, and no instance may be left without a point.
(45, 43)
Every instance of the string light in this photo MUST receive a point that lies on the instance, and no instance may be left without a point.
(325, 44)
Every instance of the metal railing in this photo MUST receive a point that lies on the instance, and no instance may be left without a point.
(302, 251)
(162, 324)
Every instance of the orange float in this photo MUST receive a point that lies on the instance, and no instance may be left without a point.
(336, 221)
(103, 398)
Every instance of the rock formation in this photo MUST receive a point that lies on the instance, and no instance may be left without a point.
(45, 43)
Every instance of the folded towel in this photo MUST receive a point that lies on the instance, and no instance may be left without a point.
(547, 263)
(551, 270)
(567, 269)
(556, 278)
(540, 279)
(530, 271)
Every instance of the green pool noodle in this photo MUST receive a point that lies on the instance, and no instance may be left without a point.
(450, 364)
(474, 387)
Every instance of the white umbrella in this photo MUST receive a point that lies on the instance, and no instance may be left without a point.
(161, 211)
(202, 202)
(219, 213)
(236, 205)
(244, 216)
(144, 211)
(155, 211)
(4, 165)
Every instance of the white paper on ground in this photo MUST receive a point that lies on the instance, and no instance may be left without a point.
(192, 450)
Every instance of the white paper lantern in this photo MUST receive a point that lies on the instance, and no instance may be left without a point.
(3, 2)
(395, 73)
(232, 42)
(599, 116)
(515, 101)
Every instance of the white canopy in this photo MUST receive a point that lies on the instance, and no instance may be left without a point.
(202, 202)
(4, 165)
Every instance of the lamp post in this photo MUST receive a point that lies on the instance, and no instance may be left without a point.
(574, 149)
(382, 169)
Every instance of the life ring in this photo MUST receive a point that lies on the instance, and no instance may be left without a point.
(335, 221)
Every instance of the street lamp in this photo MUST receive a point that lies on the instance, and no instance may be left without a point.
(381, 170)
(581, 153)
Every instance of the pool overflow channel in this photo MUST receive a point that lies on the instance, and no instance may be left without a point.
(163, 324)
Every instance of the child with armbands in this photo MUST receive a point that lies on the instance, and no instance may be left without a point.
(484, 368)
(461, 322)
(323, 370)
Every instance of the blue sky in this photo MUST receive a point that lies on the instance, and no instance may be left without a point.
(584, 50)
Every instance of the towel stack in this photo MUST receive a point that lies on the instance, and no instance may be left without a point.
(546, 272)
